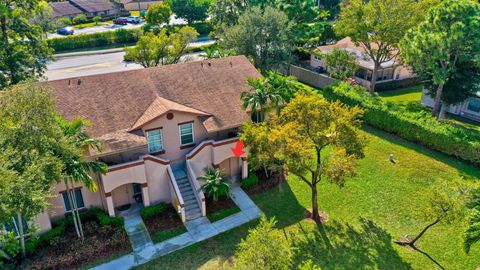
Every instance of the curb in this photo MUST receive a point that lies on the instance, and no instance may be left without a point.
(63, 55)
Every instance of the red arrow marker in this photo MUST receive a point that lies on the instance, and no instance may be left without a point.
(238, 150)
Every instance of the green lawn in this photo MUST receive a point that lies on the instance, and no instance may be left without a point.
(223, 213)
(167, 234)
(374, 208)
(403, 95)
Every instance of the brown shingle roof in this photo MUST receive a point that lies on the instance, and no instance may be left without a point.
(115, 102)
(63, 9)
(93, 5)
(159, 107)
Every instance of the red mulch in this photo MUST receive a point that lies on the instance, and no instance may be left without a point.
(266, 183)
(68, 252)
(167, 220)
(221, 204)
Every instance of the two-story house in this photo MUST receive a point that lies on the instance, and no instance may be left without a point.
(160, 127)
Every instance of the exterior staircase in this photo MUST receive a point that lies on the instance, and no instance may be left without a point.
(192, 209)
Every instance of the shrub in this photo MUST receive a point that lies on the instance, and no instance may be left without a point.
(216, 184)
(80, 18)
(416, 126)
(154, 210)
(97, 19)
(65, 21)
(397, 84)
(119, 36)
(203, 28)
(250, 181)
(9, 243)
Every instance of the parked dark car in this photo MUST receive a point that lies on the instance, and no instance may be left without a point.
(121, 21)
(65, 31)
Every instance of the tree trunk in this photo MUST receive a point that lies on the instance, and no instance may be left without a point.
(443, 110)
(21, 234)
(438, 96)
(69, 196)
(315, 215)
(373, 81)
(412, 242)
(76, 213)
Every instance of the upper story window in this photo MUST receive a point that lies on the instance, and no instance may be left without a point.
(155, 140)
(186, 133)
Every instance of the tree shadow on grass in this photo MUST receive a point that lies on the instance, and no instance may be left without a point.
(465, 169)
(281, 203)
(343, 246)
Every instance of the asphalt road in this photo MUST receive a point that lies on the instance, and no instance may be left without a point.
(77, 66)
(112, 27)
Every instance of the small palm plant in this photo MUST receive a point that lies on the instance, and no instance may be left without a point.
(216, 184)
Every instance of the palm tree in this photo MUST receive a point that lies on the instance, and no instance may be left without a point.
(215, 184)
(283, 85)
(76, 168)
(260, 98)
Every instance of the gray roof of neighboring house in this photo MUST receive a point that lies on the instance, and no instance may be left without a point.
(93, 5)
(63, 9)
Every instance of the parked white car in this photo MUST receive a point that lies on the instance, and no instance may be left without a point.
(134, 19)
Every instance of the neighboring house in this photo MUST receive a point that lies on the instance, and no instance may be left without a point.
(131, 5)
(470, 108)
(91, 8)
(161, 127)
(64, 9)
(389, 71)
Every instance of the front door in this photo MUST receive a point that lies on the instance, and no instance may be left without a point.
(137, 192)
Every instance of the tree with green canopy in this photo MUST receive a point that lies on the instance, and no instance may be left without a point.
(313, 138)
(225, 13)
(23, 50)
(472, 233)
(158, 14)
(29, 140)
(438, 46)
(341, 64)
(190, 10)
(153, 50)
(378, 26)
(265, 247)
(264, 35)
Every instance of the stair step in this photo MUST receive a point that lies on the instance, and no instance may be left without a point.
(191, 206)
(185, 184)
(182, 180)
(190, 200)
(186, 190)
(189, 197)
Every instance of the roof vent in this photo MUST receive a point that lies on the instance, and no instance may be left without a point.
(209, 64)
(231, 64)
(69, 82)
(201, 64)
(79, 82)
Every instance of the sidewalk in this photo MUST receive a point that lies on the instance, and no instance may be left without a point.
(198, 230)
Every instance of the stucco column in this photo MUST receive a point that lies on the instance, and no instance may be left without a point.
(244, 168)
(146, 197)
(111, 209)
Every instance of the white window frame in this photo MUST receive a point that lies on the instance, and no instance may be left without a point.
(180, 134)
(71, 206)
(161, 140)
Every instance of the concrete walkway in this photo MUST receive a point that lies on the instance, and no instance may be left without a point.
(198, 230)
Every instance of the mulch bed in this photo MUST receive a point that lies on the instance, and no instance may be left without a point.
(221, 204)
(68, 252)
(307, 215)
(266, 183)
(166, 220)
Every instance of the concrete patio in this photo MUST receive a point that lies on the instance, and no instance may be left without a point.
(198, 230)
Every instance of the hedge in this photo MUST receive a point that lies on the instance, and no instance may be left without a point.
(397, 84)
(415, 126)
(119, 36)
(153, 210)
